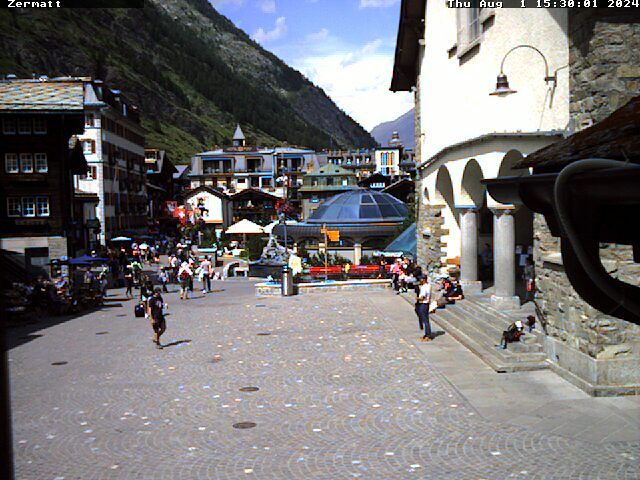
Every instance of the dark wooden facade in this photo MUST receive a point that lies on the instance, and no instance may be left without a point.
(36, 179)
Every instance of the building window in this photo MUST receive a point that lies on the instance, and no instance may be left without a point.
(89, 120)
(88, 147)
(11, 163)
(42, 164)
(39, 126)
(24, 126)
(42, 206)
(9, 126)
(28, 207)
(26, 163)
(329, 181)
(469, 22)
(14, 208)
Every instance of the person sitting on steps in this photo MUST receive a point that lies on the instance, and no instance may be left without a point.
(512, 334)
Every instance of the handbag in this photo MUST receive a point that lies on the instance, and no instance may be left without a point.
(138, 310)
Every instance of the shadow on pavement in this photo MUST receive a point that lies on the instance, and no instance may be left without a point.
(176, 343)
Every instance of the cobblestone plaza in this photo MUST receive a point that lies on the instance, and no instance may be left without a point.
(343, 389)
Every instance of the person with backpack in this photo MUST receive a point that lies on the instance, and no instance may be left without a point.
(512, 334)
(146, 292)
(185, 276)
(156, 313)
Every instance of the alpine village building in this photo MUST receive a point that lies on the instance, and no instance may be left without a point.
(40, 217)
(558, 72)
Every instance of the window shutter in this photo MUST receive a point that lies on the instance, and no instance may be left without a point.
(461, 20)
(93, 146)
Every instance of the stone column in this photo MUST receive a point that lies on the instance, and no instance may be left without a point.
(504, 259)
(357, 253)
(469, 252)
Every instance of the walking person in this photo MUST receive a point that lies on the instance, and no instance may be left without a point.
(206, 269)
(156, 313)
(422, 307)
(185, 275)
(128, 281)
(146, 292)
(163, 276)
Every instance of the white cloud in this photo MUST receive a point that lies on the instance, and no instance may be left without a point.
(357, 79)
(318, 36)
(267, 6)
(217, 3)
(279, 30)
(378, 3)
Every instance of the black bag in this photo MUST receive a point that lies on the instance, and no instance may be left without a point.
(139, 310)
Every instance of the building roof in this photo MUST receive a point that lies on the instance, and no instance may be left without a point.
(181, 170)
(616, 137)
(358, 207)
(253, 193)
(238, 135)
(44, 96)
(405, 243)
(204, 188)
(410, 31)
(331, 169)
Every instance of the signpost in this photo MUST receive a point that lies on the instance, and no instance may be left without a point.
(329, 236)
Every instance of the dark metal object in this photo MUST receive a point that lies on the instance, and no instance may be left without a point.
(102, 333)
(287, 281)
(6, 443)
(59, 363)
(249, 389)
(244, 425)
(263, 334)
(602, 204)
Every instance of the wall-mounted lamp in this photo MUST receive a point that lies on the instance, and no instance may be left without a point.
(502, 85)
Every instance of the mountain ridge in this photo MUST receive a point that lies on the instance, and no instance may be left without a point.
(404, 125)
(193, 74)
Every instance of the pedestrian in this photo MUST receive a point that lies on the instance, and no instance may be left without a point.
(486, 262)
(206, 269)
(146, 292)
(185, 274)
(422, 307)
(156, 313)
(163, 276)
(128, 281)
(395, 272)
(529, 277)
(347, 268)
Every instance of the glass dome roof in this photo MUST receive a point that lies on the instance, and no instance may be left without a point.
(359, 206)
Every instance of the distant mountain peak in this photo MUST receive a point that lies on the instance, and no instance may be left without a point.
(404, 125)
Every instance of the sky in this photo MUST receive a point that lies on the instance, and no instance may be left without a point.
(345, 47)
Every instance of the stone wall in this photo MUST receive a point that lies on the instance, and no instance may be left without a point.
(604, 57)
(597, 352)
(430, 228)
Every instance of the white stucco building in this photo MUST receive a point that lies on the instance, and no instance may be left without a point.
(113, 144)
(450, 59)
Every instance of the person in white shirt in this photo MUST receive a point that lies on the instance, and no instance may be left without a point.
(206, 269)
(422, 307)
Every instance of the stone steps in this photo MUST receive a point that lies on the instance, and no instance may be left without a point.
(478, 326)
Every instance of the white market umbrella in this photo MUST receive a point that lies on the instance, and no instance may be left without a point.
(244, 227)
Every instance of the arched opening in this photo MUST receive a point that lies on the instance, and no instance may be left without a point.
(444, 198)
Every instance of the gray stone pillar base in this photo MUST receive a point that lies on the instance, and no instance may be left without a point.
(471, 287)
(505, 303)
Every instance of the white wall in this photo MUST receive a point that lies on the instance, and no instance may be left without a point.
(212, 203)
(455, 100)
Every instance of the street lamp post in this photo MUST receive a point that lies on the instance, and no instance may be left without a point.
(502, 84)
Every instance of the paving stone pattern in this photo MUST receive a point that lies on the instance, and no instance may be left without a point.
(340, 396)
